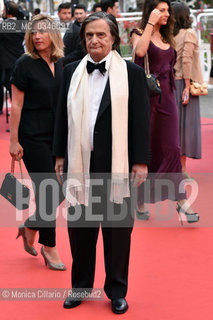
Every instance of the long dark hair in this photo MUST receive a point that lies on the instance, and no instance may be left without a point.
(166, 31)
(182, 17)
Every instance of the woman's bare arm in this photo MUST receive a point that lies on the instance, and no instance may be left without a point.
(16, 149)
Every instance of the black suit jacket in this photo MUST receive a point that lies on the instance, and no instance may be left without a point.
(73, 49)
(138, 121)
(11, 43)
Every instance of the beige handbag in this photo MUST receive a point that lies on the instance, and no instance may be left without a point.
(198, 89)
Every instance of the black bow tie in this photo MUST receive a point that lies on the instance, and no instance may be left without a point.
(92, 66)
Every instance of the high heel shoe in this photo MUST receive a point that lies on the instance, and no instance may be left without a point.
(50, 265)
(190, 217)
(27, 248)
(143, 215)
(187, 177)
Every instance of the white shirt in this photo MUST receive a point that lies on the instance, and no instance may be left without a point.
(97, 84)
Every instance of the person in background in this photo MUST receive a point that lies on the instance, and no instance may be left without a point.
(23, 13)
(65, 17)
(155, 38)
(111, 7)
(80, 13)
(65, 13)
(35, 79)
(97, 7)
(1, 85)
(92, 112)
(11, 47)
(211, 71)
(36, 11)
(187, 67)
(73, 49)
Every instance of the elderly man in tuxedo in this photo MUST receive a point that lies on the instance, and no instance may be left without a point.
(103, 122)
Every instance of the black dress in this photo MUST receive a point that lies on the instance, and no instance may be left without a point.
(36, 129)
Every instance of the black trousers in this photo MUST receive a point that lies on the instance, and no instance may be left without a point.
(83, 236)
(4, 82)
(40, 165)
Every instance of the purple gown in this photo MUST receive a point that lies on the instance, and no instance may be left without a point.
(165, 150)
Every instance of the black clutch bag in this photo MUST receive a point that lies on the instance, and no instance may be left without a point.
(152, 81)
(14, 191)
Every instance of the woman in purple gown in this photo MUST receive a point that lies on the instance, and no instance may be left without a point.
(155, 38)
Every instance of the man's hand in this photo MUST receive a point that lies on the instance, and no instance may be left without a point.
(59, 169)
(139, 174)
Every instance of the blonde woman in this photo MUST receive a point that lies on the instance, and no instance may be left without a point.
(35, 82)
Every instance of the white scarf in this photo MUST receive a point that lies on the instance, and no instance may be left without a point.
(79, 151)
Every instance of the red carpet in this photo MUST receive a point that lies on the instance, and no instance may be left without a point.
(171, 266)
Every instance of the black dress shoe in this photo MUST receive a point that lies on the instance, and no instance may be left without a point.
(71, 303)
(119, 305)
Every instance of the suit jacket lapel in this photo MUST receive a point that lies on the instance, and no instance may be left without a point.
(105, 101)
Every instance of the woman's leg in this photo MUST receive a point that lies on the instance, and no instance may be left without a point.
(183, 162)
(40, 165)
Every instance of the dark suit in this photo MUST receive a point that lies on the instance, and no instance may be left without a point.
(116, 235)
(73, 49)
(11, 48)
